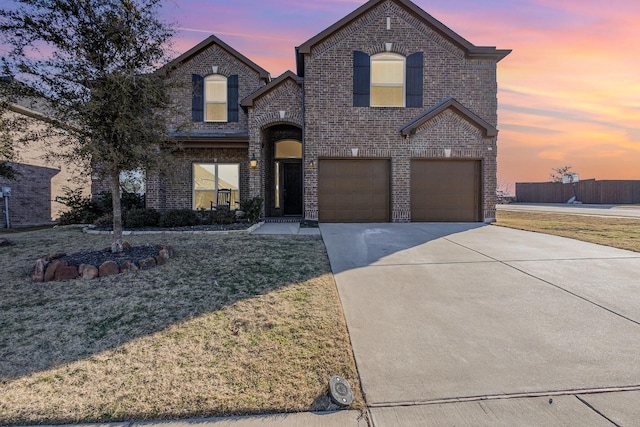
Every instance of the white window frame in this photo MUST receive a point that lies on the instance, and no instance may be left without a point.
(390, 57)
(215, 184)
(216, 78)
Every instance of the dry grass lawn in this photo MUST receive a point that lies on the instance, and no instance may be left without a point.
(623, 233)
(233, 324)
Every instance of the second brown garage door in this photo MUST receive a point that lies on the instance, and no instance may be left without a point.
(353, 190)
(445, 190)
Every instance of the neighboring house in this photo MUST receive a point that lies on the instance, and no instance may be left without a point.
(39, 180)
(391, 117)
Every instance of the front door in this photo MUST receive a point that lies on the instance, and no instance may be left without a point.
(292, 188)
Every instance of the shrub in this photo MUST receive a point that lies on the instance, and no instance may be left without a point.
(142, 217)
(82, 210)
(179, 218)
(105, 220)
(128, 201)
(252, 208)
(219, 216)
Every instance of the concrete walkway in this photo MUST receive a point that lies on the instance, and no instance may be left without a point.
(458, 324)
(285, 228)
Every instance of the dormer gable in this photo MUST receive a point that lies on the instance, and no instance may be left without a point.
(488, 131)
(206, 44)
(286, 76)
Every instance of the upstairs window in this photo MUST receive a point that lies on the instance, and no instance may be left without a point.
(215, 98)
(387, 80)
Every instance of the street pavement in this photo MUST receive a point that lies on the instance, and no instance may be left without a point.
(467, 324)
(620, 211)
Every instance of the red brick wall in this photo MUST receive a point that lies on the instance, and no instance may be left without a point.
(333, 126)
(176, 192)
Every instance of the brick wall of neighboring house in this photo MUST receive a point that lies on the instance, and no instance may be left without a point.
(265, 114)
(176, 192)
(333, 126)
(39, 183)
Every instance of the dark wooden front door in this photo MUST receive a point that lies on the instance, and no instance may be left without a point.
(292, 188)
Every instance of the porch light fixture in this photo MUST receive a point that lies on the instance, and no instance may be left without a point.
(253, 163)
(312, 163)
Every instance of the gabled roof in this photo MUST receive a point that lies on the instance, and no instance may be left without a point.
(249, 100)
(470, 49)
(488, 130)
(165, 69)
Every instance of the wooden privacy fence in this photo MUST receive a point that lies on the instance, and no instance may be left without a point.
(587, 191)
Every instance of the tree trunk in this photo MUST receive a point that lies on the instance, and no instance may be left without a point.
(116, 244)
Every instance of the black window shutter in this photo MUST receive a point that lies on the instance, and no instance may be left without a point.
(197, 98)
(232, 98)
(415, 79)
(361, 79)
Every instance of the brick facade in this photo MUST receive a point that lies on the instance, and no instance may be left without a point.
(176, 192)
(317, 107)
(273, 115)
(333, 126)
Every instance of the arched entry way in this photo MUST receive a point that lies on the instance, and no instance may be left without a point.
(283, 183)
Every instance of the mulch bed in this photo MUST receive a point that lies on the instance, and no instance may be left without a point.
(211, 227)
(133, 254)
(89, 265)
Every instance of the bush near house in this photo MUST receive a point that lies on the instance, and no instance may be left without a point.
(84, 210)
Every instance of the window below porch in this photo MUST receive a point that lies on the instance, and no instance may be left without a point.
(216, 184)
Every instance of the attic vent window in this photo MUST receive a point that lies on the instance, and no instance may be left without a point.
(388, 22)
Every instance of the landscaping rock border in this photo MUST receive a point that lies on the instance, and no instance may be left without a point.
(60, 266)
(199, 229)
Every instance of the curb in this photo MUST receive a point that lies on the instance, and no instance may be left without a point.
(88, 230)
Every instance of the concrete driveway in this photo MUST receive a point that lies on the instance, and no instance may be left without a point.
(481, 325)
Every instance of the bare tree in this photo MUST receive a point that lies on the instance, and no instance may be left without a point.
(94, 60)
(559, 173)
(9, 125)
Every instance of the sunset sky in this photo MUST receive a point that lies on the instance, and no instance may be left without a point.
(569, 93)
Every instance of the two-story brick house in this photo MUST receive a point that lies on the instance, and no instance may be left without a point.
(391, 117)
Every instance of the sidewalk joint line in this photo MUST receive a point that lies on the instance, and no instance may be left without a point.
(588, 405)
(506, 263)
(505, 396)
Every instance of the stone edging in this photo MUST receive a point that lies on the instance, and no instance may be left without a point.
(249, 230)
(49, 268)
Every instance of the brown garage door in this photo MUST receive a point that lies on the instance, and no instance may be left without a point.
(445, 190)
(353, 190)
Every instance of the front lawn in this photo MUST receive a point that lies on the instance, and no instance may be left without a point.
(233, 324)
(623, 233)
